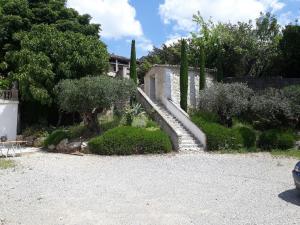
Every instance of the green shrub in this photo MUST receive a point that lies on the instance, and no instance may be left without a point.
(55, 137)
(110, 124)
(36, 131)
(130, 140)
(151, 124)
(218, 136)
(248, 135)
(286, 141)
(270, 109)
(274, 139)
(227, 100)
(79, 131)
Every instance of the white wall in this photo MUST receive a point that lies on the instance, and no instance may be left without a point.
(8, 119)
(167, 84)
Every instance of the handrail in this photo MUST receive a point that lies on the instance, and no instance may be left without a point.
(151, 108)
(184, 118)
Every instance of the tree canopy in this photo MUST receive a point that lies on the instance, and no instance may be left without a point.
(257, 48)
(43, 42)
(92, 95)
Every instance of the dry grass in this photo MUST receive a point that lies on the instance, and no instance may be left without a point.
(6, 164)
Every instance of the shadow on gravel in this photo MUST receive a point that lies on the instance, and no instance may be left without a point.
(291, 196)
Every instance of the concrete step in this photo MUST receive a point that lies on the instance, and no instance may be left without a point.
(188, 142)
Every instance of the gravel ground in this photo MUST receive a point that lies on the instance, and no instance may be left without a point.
(176, 189)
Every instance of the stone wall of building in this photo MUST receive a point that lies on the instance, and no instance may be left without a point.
(167, 83)
(263, 83)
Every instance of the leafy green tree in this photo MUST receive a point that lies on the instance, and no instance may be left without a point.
(290, 51)
(48, 55)
(21, 15)
(90, 96)
(246, 49)
(133, 71)
(202, 69)
(183, 76)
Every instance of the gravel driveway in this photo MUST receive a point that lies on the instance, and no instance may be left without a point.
(176, 189)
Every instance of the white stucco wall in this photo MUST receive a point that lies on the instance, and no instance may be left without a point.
(8, 119)
(167, 84)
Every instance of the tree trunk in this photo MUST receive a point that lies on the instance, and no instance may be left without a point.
(90, 119)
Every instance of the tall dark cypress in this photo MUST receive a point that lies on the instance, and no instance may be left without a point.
(133, 73)
(183, 76)
(202, 69)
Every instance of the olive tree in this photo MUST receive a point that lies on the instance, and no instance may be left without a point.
(226, 100)
(90, 96)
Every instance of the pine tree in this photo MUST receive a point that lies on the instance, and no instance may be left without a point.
(183, 76)
(133, 73)
(202, 69)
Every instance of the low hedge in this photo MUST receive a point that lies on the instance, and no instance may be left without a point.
(274, 139)
(130, 140)
(248, 136)
(55, 137)
(218, 136)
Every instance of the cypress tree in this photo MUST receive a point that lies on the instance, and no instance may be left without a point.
(183, 76)
(133, 73)
(202, 69)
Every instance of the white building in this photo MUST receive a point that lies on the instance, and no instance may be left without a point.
(163, 82)
(9, 114)
(119, 66)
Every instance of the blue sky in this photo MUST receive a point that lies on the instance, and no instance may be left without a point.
(155, 22)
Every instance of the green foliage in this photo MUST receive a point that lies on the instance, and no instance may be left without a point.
(218, 136)
(183, 76)
(246, 49)
(110, 124)
(55, 137)
(151, 124)
(36, 131)
(78, 131)
(48, 55)
(202, 69)
(21, 15)
(227, 100)
(4, 83)
(292, 93)
(133, 71)
(90, 96)
(270, 109)
(275, 139)
(290, 50)
(248, 136)
(133, 111)
(42, 42)
(130, 140)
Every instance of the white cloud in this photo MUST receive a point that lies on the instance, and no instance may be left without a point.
(144, 44)
(117, 17)
(174, 38)
(179, 13)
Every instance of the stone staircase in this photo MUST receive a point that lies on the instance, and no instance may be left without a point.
(187, 142)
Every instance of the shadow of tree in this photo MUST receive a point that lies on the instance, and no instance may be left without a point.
(291, 196)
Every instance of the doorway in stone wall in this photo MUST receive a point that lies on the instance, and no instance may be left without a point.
(152, 88)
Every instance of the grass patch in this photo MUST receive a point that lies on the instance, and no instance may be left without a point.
(293, 153)
(6, 164)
